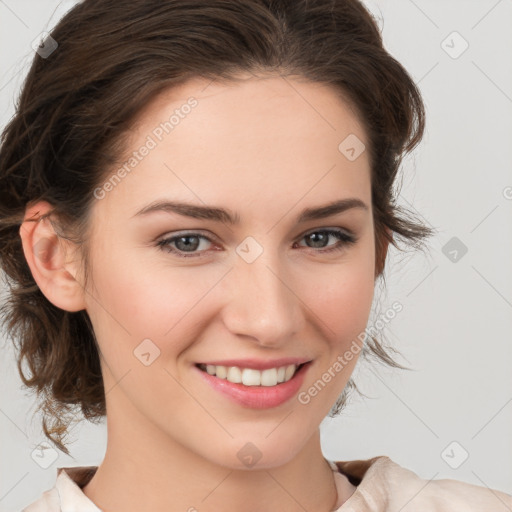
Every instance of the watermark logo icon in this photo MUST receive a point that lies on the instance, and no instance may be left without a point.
(249, 250)
(146, 352)
(249, 454)
(454, 455)
(44, 45)
(44, 455)
(454, 249)
(454, 45)
(352, 147)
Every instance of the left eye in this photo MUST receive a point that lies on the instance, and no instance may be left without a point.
(190, 242)
(343, 238)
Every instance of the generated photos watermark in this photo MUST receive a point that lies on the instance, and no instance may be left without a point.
(151, 142)
(304, 397)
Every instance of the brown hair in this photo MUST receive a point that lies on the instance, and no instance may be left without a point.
(76, 104)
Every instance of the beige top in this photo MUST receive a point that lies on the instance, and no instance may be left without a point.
(382, 486)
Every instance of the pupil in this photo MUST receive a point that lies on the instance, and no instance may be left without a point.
(187, 245)
(318, 237)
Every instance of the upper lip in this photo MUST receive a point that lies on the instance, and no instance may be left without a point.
(258, 364)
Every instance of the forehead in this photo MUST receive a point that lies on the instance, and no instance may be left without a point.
(246, 97)
(256, 136)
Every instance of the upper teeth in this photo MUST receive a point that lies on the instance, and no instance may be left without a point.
(252, 377)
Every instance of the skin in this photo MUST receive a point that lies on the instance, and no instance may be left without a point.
(266, 148)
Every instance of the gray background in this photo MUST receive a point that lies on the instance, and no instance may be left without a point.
(455, 326)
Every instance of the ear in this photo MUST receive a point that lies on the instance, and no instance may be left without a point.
(46, 255)
(382, 251)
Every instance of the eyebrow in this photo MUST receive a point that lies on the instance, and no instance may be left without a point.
(222, 215)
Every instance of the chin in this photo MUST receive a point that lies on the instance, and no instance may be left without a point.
(260, 453)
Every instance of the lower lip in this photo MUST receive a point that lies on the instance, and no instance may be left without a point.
(257, 397)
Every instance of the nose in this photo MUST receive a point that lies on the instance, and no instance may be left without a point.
(263, 305)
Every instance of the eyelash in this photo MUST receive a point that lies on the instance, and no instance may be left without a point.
(345, 239)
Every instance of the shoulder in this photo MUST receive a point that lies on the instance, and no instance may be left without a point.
(67, 492)
(383, 485)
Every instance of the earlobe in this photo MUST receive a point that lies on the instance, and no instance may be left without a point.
(45, 253)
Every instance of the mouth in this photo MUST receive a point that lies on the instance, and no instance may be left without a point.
(251, 376)
(253, 388)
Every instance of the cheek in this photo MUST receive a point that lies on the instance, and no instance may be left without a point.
(342, 315)
(344, 312)
(139, 299)
(343, 296)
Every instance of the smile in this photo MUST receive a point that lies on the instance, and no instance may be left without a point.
(254, 388)
(251, 376)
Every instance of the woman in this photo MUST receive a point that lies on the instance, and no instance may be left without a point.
(191, 194)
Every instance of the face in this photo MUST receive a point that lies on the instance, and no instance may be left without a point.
(172, 295)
